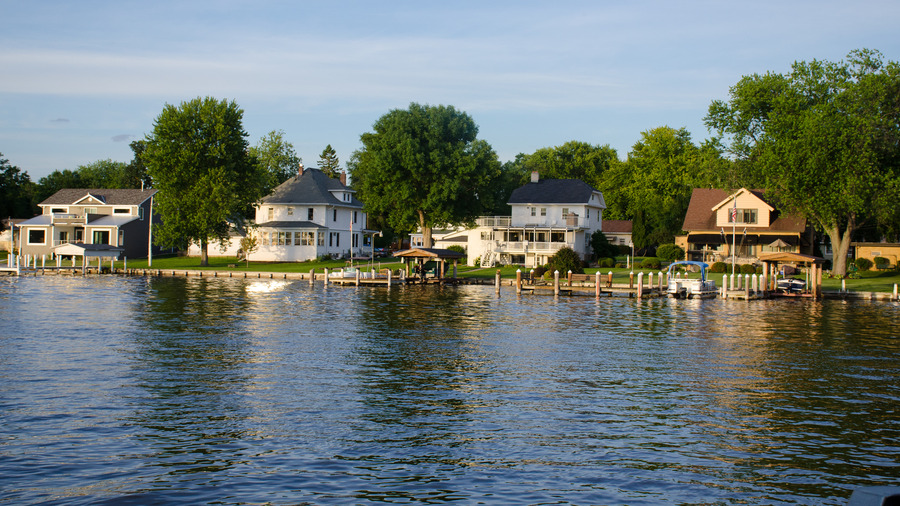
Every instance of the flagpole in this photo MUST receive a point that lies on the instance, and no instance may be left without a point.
(733, 235)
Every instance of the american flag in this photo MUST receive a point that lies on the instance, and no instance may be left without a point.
(734, 212)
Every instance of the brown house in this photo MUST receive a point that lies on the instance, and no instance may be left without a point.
(718, 222)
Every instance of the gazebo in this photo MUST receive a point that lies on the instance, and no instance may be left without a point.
(770, 263)
(422, 255)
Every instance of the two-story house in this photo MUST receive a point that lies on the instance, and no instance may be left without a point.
(111, 219)
(308, 216)
(744, 224)
(547, 215)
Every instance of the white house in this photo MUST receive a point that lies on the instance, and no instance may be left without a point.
(547, 215)
(308, 216)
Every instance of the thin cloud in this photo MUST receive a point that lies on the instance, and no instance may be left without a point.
(59, 120)
(122, 137)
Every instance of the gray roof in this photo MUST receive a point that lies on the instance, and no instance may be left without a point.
(313, 187)
(111, 220)
(553, 191)
(113, 197)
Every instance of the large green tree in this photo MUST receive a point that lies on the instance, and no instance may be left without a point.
(824, 139)
(276, 159)
(425, 167)
(197, 157)
(653, 186)
(104, 174)
(16, 191)
(329, 162)
(572, 160)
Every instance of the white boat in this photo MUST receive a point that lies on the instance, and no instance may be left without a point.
(687, 288)
(790, 285)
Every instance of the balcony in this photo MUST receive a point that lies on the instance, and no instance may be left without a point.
(569, 222)
(67, 219)
(532, 247)
(494, 221)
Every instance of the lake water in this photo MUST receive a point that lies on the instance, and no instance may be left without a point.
(133, 390)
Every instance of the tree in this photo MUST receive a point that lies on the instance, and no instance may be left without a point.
(103, 174)
(249, 244)
(564, 260)
(16, 191)
(424, 167)
(136, 172)
(653, 187)
(55, 181)
(601, 247)
(197, 158)
(329, 163)
(275, 158)
(572, 160)
(824, 139)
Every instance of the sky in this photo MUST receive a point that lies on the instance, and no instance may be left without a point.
(81, 80)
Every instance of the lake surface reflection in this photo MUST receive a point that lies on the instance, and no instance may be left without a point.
(143, 390)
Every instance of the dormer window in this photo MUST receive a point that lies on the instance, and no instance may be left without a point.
(746, 216)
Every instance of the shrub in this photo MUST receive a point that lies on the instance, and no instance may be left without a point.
(650, 263)
(670, 252)
(863, 264)
(539, 271)
(601, 246)
(748, 269)
(565, 260)
(718, 267)
(620, 265)
(607, 262)
(882, 263)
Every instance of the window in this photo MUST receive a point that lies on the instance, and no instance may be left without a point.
(565, 212)
(90, 210)
(743, 216)
(101, 237)
(354, 216)
(36, 237)
(141, 213)
(121, 210)
(355, 240)
(264, 238)
(58, 210)
(271, 213)
(63, 237)
(335, 215)
(290, 211)
(121, 238)
(305, 238)
(321, 236)
(79, 235)
(487, 236)
(588, 213)
(283, 239)
(309, 214)
(543, 211)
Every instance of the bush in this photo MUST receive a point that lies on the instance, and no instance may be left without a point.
(607, 262)
(565, 260)
(882, 263)
(719, 267)
(670, 252)
(620, 265)
(539, 272)
(601, 246)
(748, 269)
(650, 263)
(863, 264)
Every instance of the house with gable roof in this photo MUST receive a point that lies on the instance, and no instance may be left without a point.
(743, 223)
(308, 216)
(547, 215)
(115, 220)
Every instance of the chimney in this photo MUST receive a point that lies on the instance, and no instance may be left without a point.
(344, 178)
(535, 177)
(300, 169)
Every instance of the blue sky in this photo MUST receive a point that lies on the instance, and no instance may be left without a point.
(80, 80)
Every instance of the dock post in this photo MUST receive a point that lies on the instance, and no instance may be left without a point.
(555, 282)
(895, 292)
(640, 285)
(609, 280)
(326, 277)
(724, 286)
(357, 277)
(661, 284)
(389, 277)
(569, 278)
(597, 284)
(312, 277)
(497, 281)
(844, 285)
(518, 281)
(650, 280)
(631, 279)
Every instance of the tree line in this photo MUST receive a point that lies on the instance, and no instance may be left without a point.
(823, 140)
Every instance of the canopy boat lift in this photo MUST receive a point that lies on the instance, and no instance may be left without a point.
(686, 288)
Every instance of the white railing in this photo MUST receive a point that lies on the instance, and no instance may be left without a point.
(519, 246)
(494, 221)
